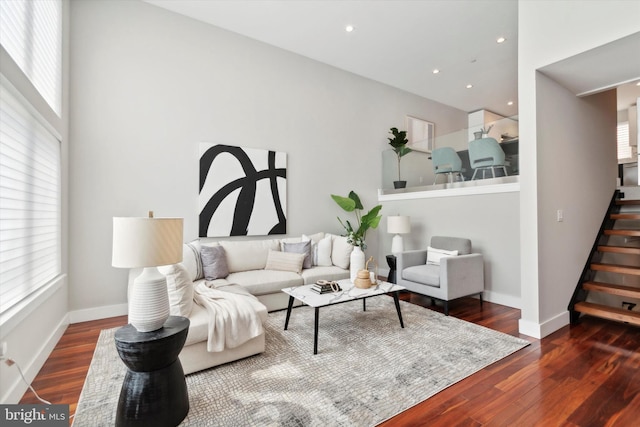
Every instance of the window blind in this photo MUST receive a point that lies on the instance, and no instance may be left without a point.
(30, 194)
(624, 149)
(31, 32)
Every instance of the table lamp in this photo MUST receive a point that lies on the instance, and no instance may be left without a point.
(148, 243)
(398, 225)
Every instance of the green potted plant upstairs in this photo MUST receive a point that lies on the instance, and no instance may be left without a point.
(356, 236)
(399, 144)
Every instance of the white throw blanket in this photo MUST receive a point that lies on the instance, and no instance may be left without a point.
(233, 316)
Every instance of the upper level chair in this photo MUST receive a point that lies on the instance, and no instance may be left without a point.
(484, 154)
(446, 161)
(439, 276)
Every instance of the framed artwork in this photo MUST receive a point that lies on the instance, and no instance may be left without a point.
(243, 191)
(421, 134)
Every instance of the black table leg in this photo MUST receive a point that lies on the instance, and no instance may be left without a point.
(397, 301)
(286, 322)
(315, 332)
(364, 304)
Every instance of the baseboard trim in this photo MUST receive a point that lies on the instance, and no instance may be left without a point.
(97, 313)
(502, 299)
(541, 330)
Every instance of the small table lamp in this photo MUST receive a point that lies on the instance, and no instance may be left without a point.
(398, 225)
(147, 242)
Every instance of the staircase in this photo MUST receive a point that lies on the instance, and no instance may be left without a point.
(615, 256)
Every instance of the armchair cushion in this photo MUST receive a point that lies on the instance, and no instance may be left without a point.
(463, 246)
(427, 274)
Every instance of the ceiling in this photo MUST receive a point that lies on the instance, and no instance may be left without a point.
(401, 42)
(396, 42)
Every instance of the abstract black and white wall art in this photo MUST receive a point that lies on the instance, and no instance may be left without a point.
(243, 191)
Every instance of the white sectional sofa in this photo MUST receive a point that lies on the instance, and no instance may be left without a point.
(259, 269)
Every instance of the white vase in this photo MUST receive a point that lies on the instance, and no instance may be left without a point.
(356, 262)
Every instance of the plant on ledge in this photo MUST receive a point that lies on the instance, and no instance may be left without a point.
(352, 203)
(399, 144)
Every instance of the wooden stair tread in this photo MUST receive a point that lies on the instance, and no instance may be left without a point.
(619, 249)
(625, 216)
(610, 288)
(621, 232)
(627, 202)
(606, 312)
(616, 268)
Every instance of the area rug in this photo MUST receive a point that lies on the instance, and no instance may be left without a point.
(367, 369)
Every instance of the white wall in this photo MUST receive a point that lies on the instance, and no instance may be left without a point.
(149, 85)
(491, 221)
(550, 31)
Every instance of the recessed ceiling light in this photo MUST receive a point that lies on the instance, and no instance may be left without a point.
(436, 71)
(501, 40)
(510, 103)
(638, 84)
(469, 86)
(349, 28)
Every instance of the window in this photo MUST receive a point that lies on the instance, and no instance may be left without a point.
(30, 193)
(624, 149)
(31, 32)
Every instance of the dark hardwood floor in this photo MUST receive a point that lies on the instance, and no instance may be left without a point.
(583, 375)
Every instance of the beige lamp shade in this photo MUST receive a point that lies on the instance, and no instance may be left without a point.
(398, 224)
(146, 242)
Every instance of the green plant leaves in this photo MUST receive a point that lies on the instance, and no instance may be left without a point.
(370, 220)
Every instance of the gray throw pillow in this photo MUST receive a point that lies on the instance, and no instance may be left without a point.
(214, 262)
(300, 248)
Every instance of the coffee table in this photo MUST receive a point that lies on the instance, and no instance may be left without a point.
(349, 292)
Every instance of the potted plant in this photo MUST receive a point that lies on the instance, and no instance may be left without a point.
(356, 236)
(482, 132)
(399, 144)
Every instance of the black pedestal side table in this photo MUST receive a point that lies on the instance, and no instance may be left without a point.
(391, 262)
(154, 391)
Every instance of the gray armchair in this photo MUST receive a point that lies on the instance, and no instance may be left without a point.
(455, 277)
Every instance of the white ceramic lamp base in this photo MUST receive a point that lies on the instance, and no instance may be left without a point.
(397, 244)
(149, 301)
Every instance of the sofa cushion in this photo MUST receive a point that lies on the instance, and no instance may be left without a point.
(285, 261)
(249, 254)
(434, 255)
(214, 262)
(261, 282)
(341, 252)
(191, 260)
(312, 275)
(425, 274)
(323, 255)
(180, 289)
(299, 248)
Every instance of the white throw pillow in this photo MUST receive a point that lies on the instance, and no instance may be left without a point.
(180, 288)
(285, 261)
(341, 252)
(323, 254)
(191, 259)
(434, 255)
(314, 239)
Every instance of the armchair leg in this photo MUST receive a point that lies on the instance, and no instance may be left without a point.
(480, 294)
(446, 308)
(433, 301)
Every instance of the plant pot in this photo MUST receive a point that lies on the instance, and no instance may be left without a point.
(478, 135)
(356, 263)
(399, 184)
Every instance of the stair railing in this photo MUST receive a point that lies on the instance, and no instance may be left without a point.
(580, 294)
